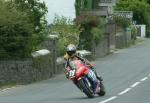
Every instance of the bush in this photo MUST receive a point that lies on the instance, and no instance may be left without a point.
(133, 32)
(122, 21)
(16, 32)
(97, 34)
(140, 10)
(68, 32)
(92, 30)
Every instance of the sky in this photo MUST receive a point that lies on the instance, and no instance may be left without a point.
(61, 8)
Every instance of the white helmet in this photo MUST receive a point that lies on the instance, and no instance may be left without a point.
(71, 49)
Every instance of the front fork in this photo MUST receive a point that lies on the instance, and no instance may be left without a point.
(97, 76)
(93, 80)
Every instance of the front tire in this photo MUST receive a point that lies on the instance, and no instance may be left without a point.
(102, 89)
(86, 88)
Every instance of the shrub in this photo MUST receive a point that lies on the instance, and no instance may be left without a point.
(140, 10)
(92, 30)
(122, 21)
(16, 32)
(68, 32)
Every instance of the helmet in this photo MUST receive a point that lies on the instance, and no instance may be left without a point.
(71, 49)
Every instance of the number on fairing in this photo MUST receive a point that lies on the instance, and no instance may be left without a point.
(71, 73)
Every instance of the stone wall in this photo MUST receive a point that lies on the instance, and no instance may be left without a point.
(17, 72)
(119, 37)
(111, 30)
(122, 37)
(103, 48)
(27, 71)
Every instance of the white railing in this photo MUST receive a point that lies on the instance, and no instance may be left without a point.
(127, 14)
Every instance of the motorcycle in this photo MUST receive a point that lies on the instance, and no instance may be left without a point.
(77, 72)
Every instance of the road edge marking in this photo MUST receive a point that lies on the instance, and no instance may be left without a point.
(124, 91)
(135, 84)
(143, 79)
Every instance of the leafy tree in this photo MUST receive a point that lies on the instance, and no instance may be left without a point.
(97, 34)
(16, 32)
(92, 30)
(35, 10)
(77, 7)
(22, 27)
(140, 9)
(123, 21)
(68, 32)
(148, 1)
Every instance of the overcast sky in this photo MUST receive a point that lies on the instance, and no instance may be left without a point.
(60, 7)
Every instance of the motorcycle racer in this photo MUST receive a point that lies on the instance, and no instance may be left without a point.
(72, 55)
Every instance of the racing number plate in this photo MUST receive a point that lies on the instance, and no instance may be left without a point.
(72, 73)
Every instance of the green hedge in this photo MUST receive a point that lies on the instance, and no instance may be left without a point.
(93, 27)
(16, 32)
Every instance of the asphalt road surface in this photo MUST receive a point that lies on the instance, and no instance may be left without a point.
(126, 75)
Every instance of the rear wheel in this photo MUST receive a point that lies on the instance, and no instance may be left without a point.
(86, 88)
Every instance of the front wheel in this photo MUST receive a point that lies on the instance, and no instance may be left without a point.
(102, 89)
(86, 87)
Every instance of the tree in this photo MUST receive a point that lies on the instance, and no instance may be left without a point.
(148, 1)
(92, 30)
(68, 32)
(85, 5)
(77, 7)
(35, 10)
(22, 27)
(122, 21)
(16, 32)
(140, 10)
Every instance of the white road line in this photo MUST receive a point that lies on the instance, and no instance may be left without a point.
(145, 78)
(125, 91)
(135, 84)
(110, 99)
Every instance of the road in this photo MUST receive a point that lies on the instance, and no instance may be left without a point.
(126, 75)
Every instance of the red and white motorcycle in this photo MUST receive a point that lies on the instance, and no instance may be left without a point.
(77, 72)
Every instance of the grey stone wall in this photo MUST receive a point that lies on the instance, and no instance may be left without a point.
(103, 48)
(122, 38)
(51, 45)
(27, 71)
(110, 29)
(16, 72)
